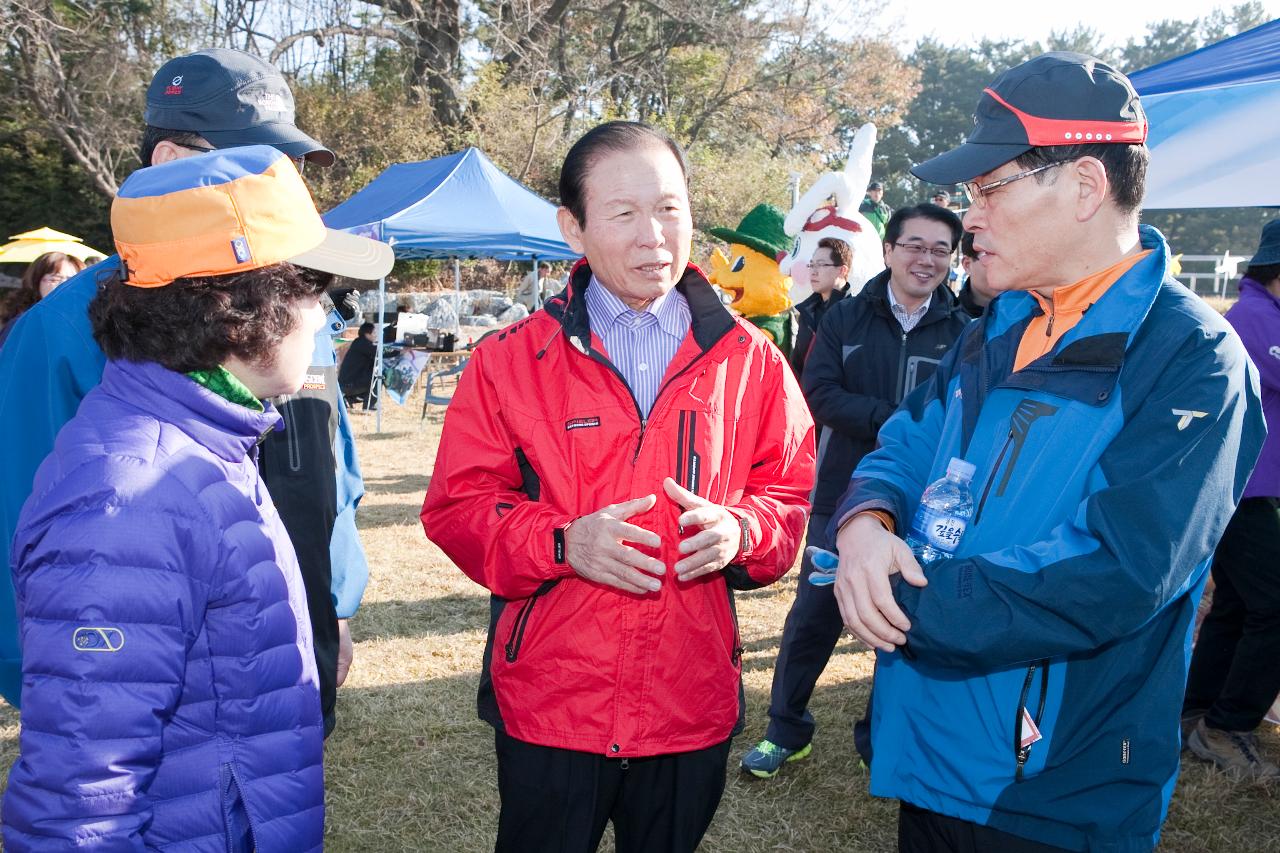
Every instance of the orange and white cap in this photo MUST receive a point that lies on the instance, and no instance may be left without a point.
(230, 211)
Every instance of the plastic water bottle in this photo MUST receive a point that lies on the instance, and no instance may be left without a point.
(943, 515)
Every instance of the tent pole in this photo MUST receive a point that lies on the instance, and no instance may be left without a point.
(375, 387)
(457, 289)
(537, 287)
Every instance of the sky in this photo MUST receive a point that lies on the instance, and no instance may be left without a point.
(958, 21)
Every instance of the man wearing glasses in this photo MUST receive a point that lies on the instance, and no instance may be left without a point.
(1028, 688)
(869, 352)
(197, 103)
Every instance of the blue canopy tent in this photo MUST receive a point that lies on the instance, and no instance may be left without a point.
(460, 206)
(1213, 130)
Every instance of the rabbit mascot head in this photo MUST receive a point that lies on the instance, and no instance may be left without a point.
(829, 208)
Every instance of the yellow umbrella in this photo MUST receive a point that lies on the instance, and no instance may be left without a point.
(28, 246)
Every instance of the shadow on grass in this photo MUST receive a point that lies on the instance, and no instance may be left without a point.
(384, 435)
(409, 484)
(754, 664)
(411, 768)
(371, 516)
(428, 617)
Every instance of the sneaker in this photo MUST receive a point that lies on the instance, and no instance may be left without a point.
(1234, 752)
(1190, 719)
(767, 758)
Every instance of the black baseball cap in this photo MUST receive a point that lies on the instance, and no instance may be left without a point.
(230, 98)
(1057, 98)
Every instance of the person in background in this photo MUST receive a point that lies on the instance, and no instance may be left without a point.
(611, 515)
(355, 375)
(170, 685)
(941, 199)
(874, 208)
(1235, 668)
(209, 100)
(828, 271)
(871, 350)
(975, 293)
(38, 280)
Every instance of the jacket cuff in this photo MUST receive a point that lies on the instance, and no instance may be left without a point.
(882, 510)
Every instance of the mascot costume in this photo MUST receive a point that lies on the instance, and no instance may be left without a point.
(816, 216)
(750, 275)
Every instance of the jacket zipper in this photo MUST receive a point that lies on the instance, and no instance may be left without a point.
(644, 422)
(899, 391)
(991, 478)
(1053, 314)
(516, 638)
(248, 818)
(1024, 752)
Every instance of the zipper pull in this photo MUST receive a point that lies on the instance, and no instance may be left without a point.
(1053, 313)
(626, 764)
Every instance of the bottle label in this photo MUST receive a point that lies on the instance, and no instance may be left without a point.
(941, 530)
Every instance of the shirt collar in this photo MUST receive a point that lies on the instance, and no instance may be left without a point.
(604, 308)
(898, 306)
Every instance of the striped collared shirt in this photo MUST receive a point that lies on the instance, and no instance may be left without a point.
(640, 343)
(907, 319)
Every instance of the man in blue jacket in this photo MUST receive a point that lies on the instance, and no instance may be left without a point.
(1028, 690)
(195, 103)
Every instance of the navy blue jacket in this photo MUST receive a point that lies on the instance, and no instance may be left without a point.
(860, 368)
(1106, 472)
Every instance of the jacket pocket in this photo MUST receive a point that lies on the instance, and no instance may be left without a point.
(1026, 729)
(239, 828)
(735, 653)
(519, 625)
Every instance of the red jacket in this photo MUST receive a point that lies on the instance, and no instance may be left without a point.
(543, 430)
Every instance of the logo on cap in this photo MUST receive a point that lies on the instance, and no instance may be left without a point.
(174, 87)
(94, 639)
(241, 248)
(272, 101)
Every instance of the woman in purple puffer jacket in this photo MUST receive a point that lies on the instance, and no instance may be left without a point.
(169, 686)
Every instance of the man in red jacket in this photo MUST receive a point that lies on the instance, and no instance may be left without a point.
(611, 469)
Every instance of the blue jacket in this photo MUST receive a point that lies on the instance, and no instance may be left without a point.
(169, 680)
(1106, 473)
(47, 366)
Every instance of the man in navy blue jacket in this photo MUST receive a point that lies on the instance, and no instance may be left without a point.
(869, 352)
(1028, 688)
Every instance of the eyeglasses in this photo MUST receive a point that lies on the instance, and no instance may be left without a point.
(822, 265)
(300, 163)
(917, 250)
(975, 192)
(53, 278)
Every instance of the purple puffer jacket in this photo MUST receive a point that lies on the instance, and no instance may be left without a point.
(169, 690)
(1256, 319)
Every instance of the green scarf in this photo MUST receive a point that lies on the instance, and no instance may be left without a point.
(221, 382)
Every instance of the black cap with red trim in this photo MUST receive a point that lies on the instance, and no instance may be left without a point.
(1055, 99)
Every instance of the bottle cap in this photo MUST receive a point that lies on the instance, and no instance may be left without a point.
(960, 469)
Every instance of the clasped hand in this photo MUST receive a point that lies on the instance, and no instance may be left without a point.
(869, 556)
(598, 546)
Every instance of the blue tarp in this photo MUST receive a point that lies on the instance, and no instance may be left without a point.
(1214, 136)
(458, 206)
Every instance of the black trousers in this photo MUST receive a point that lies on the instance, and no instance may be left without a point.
(922, 831)
(809, 637)
(558, 800)
(1235, 669)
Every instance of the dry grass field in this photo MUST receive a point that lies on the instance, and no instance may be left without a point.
(410, 768)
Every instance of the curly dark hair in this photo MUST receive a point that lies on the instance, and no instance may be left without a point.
(197, 323)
